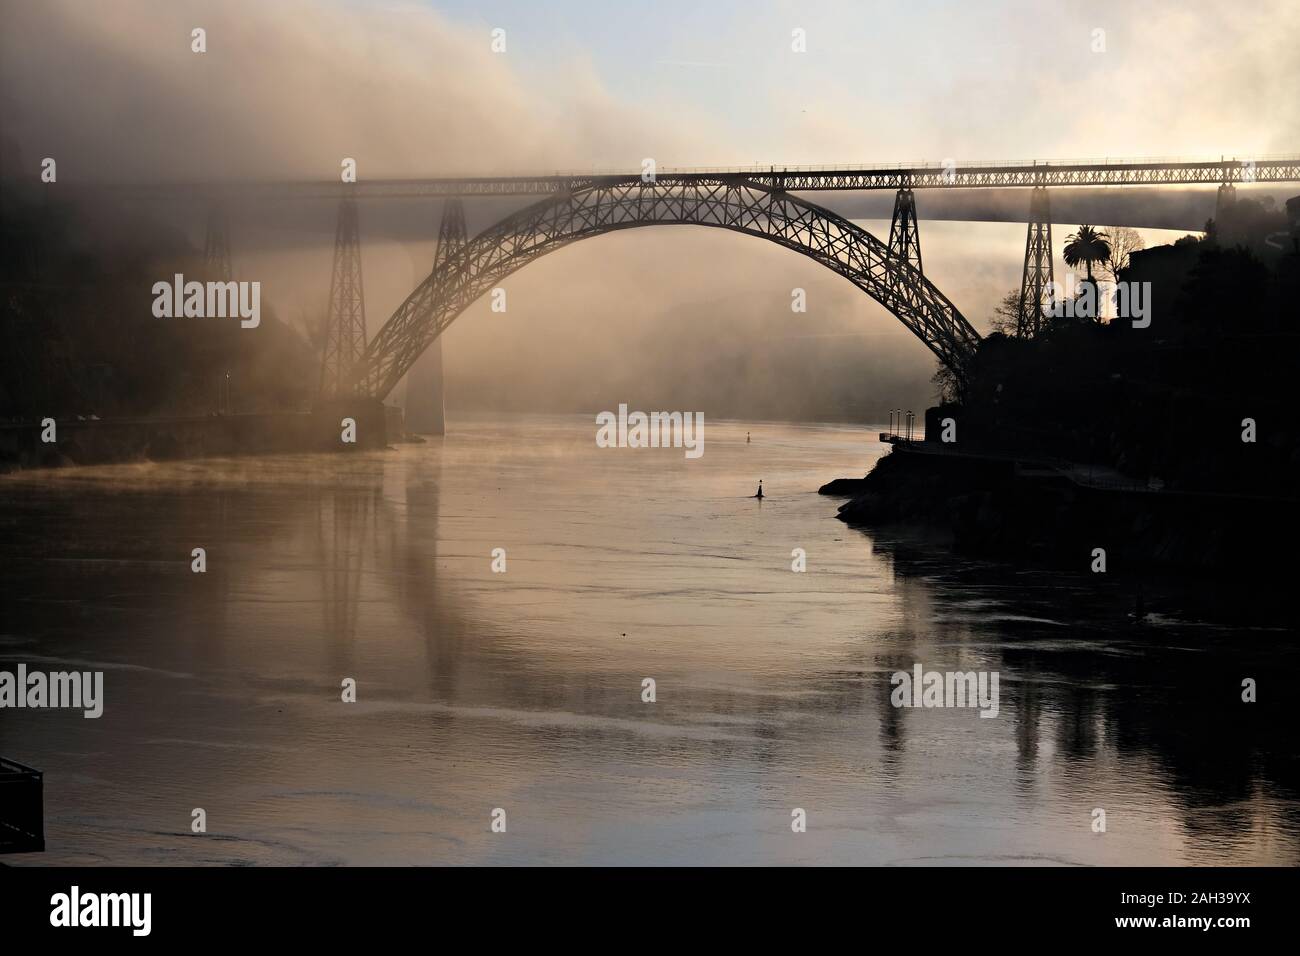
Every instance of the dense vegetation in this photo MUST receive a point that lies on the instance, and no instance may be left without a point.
(1167, 401)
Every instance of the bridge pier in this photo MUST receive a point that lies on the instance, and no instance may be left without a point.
(1224, 201)
(425, 412)
(1037, 277)
(371, 424)
(905, 231)
(345, 322)
(216, 245)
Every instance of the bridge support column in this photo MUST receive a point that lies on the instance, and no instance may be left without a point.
(905, 231)
(424, 384)
(216, 245)
(370, 423)
(1223, 204)
(1037, 278)
(345, 322)
(425, 413)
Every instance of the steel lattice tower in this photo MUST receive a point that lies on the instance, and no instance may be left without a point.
(1223, 205)
(1034, 286)
(424, 383)
(905, 231)
(345, 323)
(216, 245)
(451, 233)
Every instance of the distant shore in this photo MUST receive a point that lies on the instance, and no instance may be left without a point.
(108, 441)
(1002, 507)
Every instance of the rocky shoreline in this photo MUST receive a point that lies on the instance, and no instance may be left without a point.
(994, 507)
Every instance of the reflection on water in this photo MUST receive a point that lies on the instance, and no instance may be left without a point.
(523, 690)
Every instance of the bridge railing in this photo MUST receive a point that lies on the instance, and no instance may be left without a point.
(981, 173)
(919, 164)
(930, 164)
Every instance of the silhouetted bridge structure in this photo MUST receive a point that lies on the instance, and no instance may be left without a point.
(944, 175)
(757, 201)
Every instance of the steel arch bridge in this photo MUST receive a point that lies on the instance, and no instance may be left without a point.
(472, 267)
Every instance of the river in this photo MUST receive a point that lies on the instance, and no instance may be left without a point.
(522, 690)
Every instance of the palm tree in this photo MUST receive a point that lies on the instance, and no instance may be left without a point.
(1086, 246)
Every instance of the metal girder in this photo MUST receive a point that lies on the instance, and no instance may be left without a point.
(905, 231)
(988, 175)
(1226, 198)
(424, 404)
(953, 175)
(1036, 280)
(723, 203)
(451, 234)
(345, 322)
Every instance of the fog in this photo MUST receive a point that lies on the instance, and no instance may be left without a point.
(665, 317)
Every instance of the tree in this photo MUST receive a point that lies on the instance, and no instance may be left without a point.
(1006, 315)
(949, 386)
(1123, 243)
(1086, 246)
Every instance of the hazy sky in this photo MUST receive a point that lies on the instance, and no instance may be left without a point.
(287, 88)
(928, 79)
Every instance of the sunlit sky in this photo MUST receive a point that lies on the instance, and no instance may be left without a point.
(287, 88)
(413, 88)
(924, 79)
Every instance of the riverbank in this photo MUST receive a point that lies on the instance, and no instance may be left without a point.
(63, 443)
(1002, 507)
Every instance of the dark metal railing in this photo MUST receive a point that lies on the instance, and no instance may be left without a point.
(22, 812)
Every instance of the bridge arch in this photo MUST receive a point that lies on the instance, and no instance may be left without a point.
(736, 204)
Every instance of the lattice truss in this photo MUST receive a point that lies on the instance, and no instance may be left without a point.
(345, 322)
(741, 206)
(983, 175)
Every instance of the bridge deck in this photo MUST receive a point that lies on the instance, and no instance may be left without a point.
(943, 175)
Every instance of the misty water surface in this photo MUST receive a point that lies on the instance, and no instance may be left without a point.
(522, 690)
